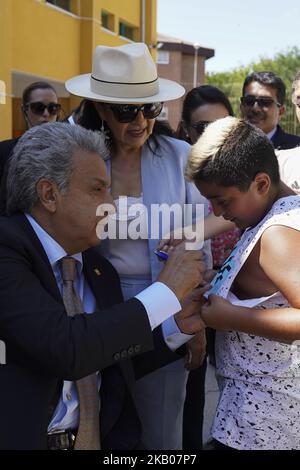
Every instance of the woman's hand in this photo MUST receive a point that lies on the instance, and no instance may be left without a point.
(196, 351)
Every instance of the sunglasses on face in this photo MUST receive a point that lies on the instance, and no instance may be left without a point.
(38, 108)
(263, 102)
(296, 101)
(128, 112)
(199, 126)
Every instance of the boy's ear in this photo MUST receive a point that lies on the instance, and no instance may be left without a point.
(262, 183)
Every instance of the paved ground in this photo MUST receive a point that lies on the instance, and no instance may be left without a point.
(211, 400)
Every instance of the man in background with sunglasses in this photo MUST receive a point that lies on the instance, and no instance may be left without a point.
(262, 104)
(39, 105)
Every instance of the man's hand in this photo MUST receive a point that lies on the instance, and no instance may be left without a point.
(196, 351)
(183, 271)
(188, 319)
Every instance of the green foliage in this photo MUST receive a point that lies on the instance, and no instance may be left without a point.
(284, 64)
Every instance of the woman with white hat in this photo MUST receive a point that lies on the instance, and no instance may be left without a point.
(123, 97)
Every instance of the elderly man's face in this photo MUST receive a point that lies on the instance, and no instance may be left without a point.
(75, 219)
(265, 118)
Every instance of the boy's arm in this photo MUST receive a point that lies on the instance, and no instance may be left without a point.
(280, 260)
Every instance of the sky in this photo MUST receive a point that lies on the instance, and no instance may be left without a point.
(239, 31)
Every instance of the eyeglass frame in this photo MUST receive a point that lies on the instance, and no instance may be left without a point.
(259, 98)
(203, 123)
(46, 106)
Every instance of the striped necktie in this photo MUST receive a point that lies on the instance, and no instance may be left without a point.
(88, 435)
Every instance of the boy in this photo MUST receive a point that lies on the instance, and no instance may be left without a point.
(255, 298)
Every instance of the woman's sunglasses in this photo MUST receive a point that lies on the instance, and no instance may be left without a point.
(199, 126)
(263, 102)
(128, 112)
(38, 107)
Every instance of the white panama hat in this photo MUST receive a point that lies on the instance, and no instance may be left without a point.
(124, 74)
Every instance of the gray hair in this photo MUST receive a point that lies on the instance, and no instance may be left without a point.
(295, 82)
(46, 151)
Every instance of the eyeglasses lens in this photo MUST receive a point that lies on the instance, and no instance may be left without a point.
(250, 101)
(125, 113)
(38, 107)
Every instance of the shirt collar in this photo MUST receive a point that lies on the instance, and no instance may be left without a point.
(53, 250)
(271, 133)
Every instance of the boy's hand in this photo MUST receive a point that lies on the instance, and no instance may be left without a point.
(218, 313)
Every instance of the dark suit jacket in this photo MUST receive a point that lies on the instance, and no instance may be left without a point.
(282, 141)
(44, 346)
(6, 149)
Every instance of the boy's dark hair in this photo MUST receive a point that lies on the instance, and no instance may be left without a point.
(231, 152)
(35, 86)
(268, 79)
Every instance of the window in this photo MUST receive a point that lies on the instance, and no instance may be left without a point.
(107, 20)
(126, 30)
(64, 4)
(163, 57)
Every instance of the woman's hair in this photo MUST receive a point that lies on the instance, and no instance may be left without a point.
(90, 119)
(200, 96)
(231, 152)
(35, 86)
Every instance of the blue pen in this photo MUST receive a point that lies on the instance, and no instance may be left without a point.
(162, 255)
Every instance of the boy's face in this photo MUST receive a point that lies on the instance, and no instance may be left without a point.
(245, 209)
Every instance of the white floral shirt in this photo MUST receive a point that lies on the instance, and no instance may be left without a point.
(259, 379)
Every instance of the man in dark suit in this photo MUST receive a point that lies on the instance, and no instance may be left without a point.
(262, 104)
(56, 183)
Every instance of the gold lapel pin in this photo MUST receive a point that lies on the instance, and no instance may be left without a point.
(96, 271)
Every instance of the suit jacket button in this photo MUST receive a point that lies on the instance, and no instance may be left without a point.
(117, 356)
(123, 354)
(130, 351)
(137, 348)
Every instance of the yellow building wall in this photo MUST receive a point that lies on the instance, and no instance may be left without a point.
(5, 68)
(45, 40)
(41, 40)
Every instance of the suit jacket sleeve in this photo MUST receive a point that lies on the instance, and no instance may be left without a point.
(36, 330)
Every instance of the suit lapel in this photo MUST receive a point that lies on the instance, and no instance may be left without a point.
(95, 277)
(42, 265)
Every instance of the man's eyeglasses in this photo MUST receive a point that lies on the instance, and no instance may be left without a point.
(296, 101)
(38, 107)
(199, 126)
(263, 101)
(128, 112)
